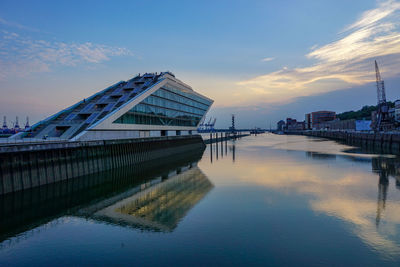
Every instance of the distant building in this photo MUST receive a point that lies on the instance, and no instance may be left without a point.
(338, 125)
(319, 117)
(346, 125)
(290, 121)
(294, 125)
(322, 116)
(307, 121)
(299, 126)
(397, 110)
(280, 125)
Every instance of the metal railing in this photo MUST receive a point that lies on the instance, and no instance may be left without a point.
(19, 141)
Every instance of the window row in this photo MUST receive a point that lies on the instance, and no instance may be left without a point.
(178, 97)
(159, 111)
(134, 118)
(157, 101)
(189, 95)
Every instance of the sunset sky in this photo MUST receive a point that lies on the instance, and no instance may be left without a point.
(262, 60)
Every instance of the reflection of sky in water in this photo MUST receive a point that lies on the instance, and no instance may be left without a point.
(336, 183)
(265, 200)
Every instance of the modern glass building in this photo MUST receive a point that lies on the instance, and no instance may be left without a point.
(167, 106)
(148, 105)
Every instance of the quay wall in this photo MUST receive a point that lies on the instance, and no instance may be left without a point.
(389, 142)
(24, 166)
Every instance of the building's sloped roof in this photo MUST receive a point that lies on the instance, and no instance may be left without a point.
(71, 121)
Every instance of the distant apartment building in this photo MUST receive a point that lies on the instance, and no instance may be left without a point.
(322, 116)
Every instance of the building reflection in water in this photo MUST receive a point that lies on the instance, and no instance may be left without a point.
(318, 155)
(27, 210)
(158, 206)
(385, 167)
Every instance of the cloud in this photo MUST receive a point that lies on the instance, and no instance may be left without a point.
(342, 63)
(267, 59)
(17, 25)
(20, 55)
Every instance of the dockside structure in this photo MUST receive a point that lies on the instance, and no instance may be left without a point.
(146, 118)
(148, 105)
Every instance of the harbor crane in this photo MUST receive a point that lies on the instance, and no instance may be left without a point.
(5, 123)
(382, 116)
(207, 127)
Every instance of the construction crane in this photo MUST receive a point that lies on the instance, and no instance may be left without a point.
(27, 123)
(213, 123)
(207, 127)
(382, 120)
(16, 126)
(5, 123)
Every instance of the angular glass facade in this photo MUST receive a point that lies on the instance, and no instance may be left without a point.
(168, 107)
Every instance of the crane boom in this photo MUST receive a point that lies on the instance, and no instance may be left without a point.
(382, 118)
(380, 86)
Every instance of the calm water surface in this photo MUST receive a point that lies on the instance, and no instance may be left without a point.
(264, 200)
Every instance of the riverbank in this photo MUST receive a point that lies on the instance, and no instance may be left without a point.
(386, 142)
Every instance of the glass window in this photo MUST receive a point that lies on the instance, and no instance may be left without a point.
(167, 106)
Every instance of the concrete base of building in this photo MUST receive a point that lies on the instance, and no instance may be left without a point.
(26, 166)
(129, 134)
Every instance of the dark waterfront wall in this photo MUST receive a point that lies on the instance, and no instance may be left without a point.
(24, 210)
(380, 142)
(25, 166)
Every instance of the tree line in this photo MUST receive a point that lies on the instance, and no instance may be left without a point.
(363, 113)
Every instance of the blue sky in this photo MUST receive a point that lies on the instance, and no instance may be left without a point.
(257, 59)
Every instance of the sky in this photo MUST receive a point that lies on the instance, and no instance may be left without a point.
(260, 60)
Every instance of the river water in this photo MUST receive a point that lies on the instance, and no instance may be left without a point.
(260, 200)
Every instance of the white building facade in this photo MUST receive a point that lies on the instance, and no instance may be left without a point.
(149, 105)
